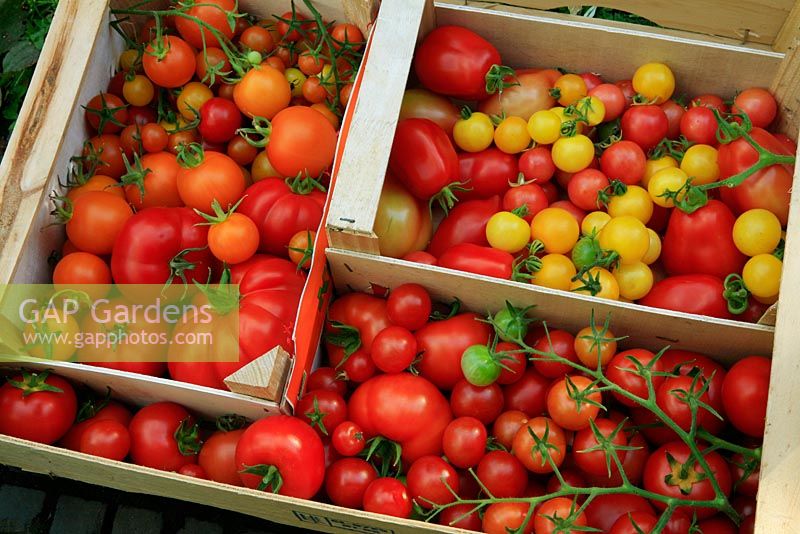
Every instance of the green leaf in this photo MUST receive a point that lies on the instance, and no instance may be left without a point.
(22, 55)
(12, 23)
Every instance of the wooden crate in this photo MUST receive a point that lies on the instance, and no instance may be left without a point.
(720, 64)
(74, 66)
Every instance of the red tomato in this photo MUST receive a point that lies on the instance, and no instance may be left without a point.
(502, 474)
(394, 349)
(593, 462)
(97, 220)
(604, 510)
(591, 80)
(634, 523)
(326, 378)
(674, 113)
(644, 125)
(37, 406)
(758, 104)
(421, 257)
(423, 158)
(632, 464)
(612, 98)
(409, 306)
(106, 113)
(507, 424)
(431, 481)
(710, 101)
(524, 446)
(514, 363)
(211, 176)
(404, 408)
(672, 479)
(743, 486)
(346, 481)
(464, 442)
(387, 496)
(537, 164)
(453, 61)
(194, 471)
(671, 398)
(466, 223)
(584, 187)
(302, 141)
(213, 13)
(366, 313)
(106, 438)
(702, 242)
(565, 410)
(422, 104)
(486, 261)
(482, 403)
(485, 173)
(718, 525)
(505, 517)
(91, 413)
(348, 438)
(280, 211)
(164, 436)
(219, 120)
(561, 343)
(624, 161)
(558, 507)
(157, 188)
(689, 293)
(174, 67)
(324, 410)
(442, 343)
(523, 100)
(528, 394)
(461, 516)
(218, 457)
(699, 125)
(283, 454)
(621, 371)
(744, 394)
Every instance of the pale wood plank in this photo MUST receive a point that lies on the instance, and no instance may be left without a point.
(263, 378)
(790, 30)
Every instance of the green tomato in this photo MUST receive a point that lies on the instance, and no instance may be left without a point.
(479, 366)
(510, 326)
(585, 252)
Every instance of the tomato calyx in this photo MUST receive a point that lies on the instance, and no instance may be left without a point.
(90, 407)
(62, 208)
(105, 113)
(347, 337)
(191, 155)
(316, 417)
(499, 78)
(306, 252)
(605, 444)
(675, 148)
(446, 197)
(230, 422)
(511, 323)
(178, 265)
(608, 133)
(187, 436)
(220, 215)
(135, 174)
(270, 476)
(34, 383)
(304, 184)
(615, 188)
(683, 475)
(542, 446)
(384, 455)
(529, 261)
(452, 310)
(258, 135)
(224, 297)
(736, 294)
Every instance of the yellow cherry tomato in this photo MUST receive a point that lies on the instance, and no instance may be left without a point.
(756, 231)
(130, 60)
(626, 235)
(507, 231)
(544, 127)
(474, 133)
(668, 179)
(654, 165)
(138, 91)
(192, 97)
(654, 250)
(594, 222)
(634, 201)
(573, 154)
(603, 283)
(654, 81)
(568, 89)
(556, 228)
(511, 136)
(700, 164)
(762, 275)
(556, 272)
(592, 108)
(57, 334)
(635, 280)
(296, 79)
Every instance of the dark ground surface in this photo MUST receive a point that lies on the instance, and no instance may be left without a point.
(38, 504)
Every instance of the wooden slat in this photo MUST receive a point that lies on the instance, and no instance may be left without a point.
(754, 21)
(790, 31)
(360, 177)
(726, 341)
(311, 515)
(786, 87)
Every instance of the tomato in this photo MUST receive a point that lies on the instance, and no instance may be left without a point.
(283, 454)
(634, 523)
(710, 101)
(211, 176)
(702, 242)
(485, 173)
(89, 413)
(422, 104)
(559, 508)
(644, 125)
(219, 120)
(511, 135)
(679, 478)
(366, 313)
(502, 474)
(218, 457)
(106, 438)
(527, 395)
(302, 141)
(624, 161)
(692, 293)
(431, 481)
(476, 259)
(531, 196)
(612, 98)
(97, 219)
(756, 231)
(156, 184)
(356, 368)
(698, 125)
(38, 407)
(654, 81)
(423, 158)
(482, 403)
(461, 516)
(464, 442)
(404, 408)
(593, 352)
(632, 463)
(154, 137)
(402, 223)
(81, 268)
(213, 13)
(594, 222)
(565, 410)
(324, 410)
(623, 371)
(556, 229)
(262, 92)
(718, 524)
(466, 223)
(561, 343)
(96, 182)
(668, 179)
(627, 236)
(572, 154)
(762, 276)
(394, 349)
(454, 61)
(635, 201)
(537, 165)
(106, 113)
(160, 245)
(507, 231)
(479, 365)
(387, 496)
(409, 306)
(290, 25)
(768, 188)
(514, 362)
(326, 378)
(241, 151)
(280, 211)
(544, 127)
(173, 66)
(233, 239)
(106, 151)
(532, 95)
(348, 438)
(507, 424)
(556, 272)
(164, 436)
(569, 88)
(584, 186)
(700, 162)
(605, 510)
(674, 113)
(671, 397)
(758, 104)
(347, 479)
(635, 280)
(473, 133)
(504, 517)
(524, 446)
(744, 394)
